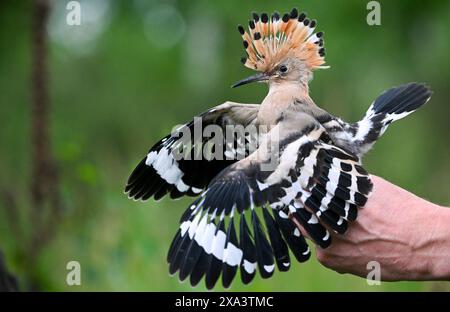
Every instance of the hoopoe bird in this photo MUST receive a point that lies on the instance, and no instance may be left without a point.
(315, 186)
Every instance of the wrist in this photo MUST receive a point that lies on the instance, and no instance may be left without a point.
(432, 248)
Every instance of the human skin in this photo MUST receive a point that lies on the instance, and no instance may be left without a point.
(407, 235)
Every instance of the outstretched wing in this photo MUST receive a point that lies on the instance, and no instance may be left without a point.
(161, 172)
(311, 184)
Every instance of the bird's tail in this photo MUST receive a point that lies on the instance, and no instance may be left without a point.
(390, 106)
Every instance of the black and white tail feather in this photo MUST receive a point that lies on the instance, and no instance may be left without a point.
(247, 219)
(392, 105)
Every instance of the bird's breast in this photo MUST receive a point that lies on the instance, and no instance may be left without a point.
(273, 108)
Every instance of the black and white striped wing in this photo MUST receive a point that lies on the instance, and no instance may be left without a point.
(249, 217)
(163, 171)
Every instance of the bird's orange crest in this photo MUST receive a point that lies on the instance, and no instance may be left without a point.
(269, 40)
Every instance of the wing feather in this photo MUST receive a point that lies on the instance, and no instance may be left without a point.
(161, 172)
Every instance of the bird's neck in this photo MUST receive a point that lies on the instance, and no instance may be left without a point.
(295, 89)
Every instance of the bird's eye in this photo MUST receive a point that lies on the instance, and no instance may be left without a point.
(283, 69)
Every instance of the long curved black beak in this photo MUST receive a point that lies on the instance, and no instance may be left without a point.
(255, 78)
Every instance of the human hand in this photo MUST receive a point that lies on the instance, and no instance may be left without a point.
(407, 235)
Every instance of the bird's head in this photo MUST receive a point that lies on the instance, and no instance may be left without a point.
(282, 50)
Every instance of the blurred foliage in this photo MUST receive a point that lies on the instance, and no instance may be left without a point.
(136, 68)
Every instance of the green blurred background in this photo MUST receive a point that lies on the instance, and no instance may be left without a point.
(133, 69)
